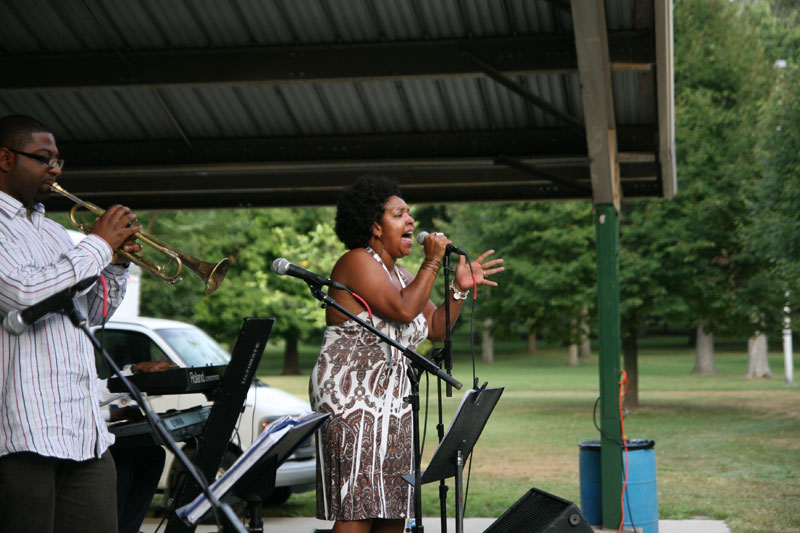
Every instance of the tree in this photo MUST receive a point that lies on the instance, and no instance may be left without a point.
(720, 77)
(253, 239)
(644, 294)
(549, 250)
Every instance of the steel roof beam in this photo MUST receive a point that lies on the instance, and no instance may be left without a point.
(288, 64)
(512, 143)
(423, 182)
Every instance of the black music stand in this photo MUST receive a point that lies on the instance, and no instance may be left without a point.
(448, 459)
(228, 403)
(256, 481)
(259, 482)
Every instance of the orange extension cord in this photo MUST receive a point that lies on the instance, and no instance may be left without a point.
(623, 390)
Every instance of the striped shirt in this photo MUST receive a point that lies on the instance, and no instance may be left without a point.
(48, 389)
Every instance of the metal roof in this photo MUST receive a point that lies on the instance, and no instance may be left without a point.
(211, 103)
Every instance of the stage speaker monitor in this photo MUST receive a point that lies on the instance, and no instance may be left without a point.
(541, 512)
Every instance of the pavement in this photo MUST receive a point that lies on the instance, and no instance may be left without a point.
(432, 525)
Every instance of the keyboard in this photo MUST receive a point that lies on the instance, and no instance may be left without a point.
(182, 425)
(173, 381)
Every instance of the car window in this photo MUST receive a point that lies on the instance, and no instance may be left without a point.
(194, 346)
(126, 348)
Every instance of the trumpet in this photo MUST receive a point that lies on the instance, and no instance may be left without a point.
(170, 271)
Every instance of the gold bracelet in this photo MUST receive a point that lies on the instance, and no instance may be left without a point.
(426, 265)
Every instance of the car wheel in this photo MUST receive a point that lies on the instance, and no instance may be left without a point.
(278, 497)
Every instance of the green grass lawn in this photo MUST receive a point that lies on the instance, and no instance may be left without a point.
(727, 448)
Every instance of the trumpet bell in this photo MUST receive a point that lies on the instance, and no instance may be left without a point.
(216, 274)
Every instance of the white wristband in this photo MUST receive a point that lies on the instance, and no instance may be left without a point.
(457, 294)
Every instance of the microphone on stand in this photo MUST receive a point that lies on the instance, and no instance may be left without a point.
(16, 322)
(282, 267)
(451, 248)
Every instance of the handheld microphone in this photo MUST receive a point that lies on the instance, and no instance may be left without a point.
(451, 248)
(16, 322)
(282, 267)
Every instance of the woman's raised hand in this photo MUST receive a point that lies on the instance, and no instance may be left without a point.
(482, 268)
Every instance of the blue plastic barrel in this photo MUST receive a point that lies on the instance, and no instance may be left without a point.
(641, 499)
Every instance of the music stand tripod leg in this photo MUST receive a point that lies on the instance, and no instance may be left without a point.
(459, 492)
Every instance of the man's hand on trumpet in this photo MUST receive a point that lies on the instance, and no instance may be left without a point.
(116, 227)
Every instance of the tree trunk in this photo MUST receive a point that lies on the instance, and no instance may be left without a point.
(704, 353)
(291, 360)
(757, 360)
(531, 342)
(487, 342)
(573, 355)
(630, 355)
(585, 350)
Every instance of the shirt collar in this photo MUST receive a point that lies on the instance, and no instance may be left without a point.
(11, 207)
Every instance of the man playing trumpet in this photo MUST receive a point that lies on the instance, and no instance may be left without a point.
(56, 473)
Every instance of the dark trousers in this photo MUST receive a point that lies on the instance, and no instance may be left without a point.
(138, 471)
(45, 494)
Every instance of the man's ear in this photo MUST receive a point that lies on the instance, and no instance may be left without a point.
(5, 159)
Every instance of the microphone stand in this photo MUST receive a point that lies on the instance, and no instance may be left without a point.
(79, 321)
(417, 364)
(444, 355)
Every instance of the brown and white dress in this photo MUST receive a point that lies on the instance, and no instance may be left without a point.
(367, 443)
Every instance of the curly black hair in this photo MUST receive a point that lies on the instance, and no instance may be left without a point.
(361, 204)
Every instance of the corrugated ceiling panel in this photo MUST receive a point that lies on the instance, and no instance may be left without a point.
(508, 110)
(68, 28)
(307, 108)
(75, 111)
(266, 22)
(190, 112)
(309, 21)
(619, 14)
(139, 25)
(460, 97)
(102, 107)
(269, 110)
(358, 22)
(346, 108)
(153, 24)
(16, 37)
(626, 97)
(383, 104)
(144, 107)
(227, 111)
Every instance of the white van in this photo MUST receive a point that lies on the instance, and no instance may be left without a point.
(133, 340)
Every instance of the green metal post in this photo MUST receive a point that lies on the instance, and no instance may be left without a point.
(607, 228)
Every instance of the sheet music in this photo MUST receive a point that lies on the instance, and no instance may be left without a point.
(194, 511)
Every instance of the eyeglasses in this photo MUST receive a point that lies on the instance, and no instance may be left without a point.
(51, 163)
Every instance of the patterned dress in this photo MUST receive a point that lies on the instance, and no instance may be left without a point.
(366, 444)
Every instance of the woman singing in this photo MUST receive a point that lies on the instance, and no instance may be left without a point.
(366, 444)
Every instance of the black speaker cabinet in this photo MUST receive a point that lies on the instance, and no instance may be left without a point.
(541, 512)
